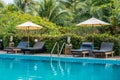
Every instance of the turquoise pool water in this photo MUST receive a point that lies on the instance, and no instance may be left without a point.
(18, 69)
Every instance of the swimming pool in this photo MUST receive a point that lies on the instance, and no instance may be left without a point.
(25, 67)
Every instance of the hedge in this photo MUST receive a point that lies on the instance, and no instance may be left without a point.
(75, 40)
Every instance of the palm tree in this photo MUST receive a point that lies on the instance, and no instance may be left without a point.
(23, 5)
(114, 10)
(20, 4)
(84, 9)
(89, 8)
(110, 11)
(72, 6)
(50, 9)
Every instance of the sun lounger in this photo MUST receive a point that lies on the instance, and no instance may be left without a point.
(22, 44)
(105, 50)
(38, 47)
(86, 48)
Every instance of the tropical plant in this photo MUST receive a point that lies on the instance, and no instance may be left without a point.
(115, 15)
(111, 13)
(24, 5)
(50, 9)
(73, 7)
(11, 19)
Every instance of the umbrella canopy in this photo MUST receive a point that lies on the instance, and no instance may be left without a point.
(29, 26)
(93, 22)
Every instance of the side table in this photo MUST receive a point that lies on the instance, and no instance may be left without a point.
(67, 51)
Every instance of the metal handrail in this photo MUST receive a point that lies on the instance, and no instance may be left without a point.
(58, 49)
(61, 49)
(53, 48)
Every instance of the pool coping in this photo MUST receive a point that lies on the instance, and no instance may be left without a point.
(65, 59)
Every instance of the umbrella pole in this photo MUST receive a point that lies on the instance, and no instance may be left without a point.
(28, 37)
(92, 35)
(92, 40)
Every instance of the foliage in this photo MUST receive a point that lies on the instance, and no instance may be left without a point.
(69, 12)
(59, 19)
(24, 5)
(8, 24)
(11, 8)
(75, 40)
(51, 10)
(99, 38)
(11, 19)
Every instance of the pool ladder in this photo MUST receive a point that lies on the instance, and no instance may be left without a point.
(56, 44)
(59, 50)
(59, 53)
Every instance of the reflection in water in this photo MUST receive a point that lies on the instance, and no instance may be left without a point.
(60, 67)
(20, 78)
(67, 68)
(11, 65)
(108, 66)
(84, 64)
(52, 67)
(35, 67)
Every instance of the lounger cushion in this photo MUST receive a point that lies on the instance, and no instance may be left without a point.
(79, 50)
(36, 47)
(22, 44)
(108, 46)
(30, 49)
(101, 51)
(86, 46)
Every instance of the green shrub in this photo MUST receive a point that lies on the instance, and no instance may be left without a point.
(50, 41)
(75, 40)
